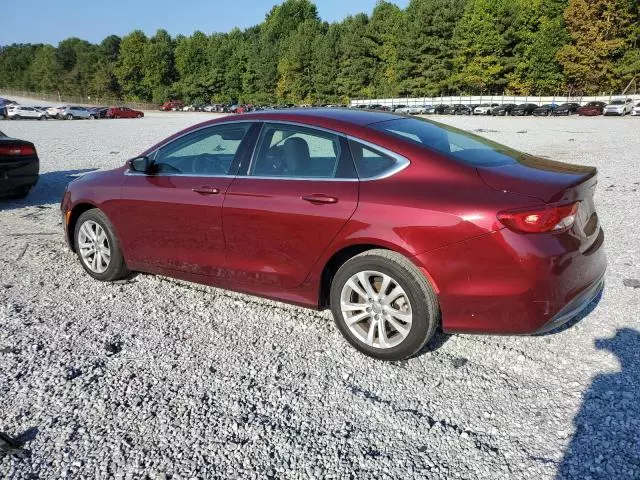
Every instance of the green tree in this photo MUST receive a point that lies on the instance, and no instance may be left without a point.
(159, 69)
(601, 33)
(45, 71)
(129, 69)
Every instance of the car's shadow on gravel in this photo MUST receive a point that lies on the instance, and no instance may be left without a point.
(606, 443)
(49, 189)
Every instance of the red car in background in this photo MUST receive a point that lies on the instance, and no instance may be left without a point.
(171, 105)
(123, 112)
(399, 225)
(591, 109)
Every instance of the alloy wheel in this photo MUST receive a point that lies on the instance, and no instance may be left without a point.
(376, 309)
(94, 247)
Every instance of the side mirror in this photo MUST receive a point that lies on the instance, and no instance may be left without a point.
(139, 164)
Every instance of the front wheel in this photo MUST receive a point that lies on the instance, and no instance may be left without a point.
(98, 247)
(138, 116)
(69, 117)
(383, 305)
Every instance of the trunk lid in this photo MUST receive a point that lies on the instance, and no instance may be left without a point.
(540, 178)
(552, 182)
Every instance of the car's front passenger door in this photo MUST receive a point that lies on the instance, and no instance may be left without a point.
(171, 217)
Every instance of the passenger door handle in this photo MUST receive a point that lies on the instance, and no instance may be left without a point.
(319, 198)
(206, 190)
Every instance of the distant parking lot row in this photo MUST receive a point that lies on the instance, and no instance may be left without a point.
(11, 110)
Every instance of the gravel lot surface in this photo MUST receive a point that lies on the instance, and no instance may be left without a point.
(158, 378)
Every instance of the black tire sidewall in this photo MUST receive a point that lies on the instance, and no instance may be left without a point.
(116, 265)
(421, 327)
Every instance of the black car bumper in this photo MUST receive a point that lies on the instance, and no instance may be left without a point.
(17, 175)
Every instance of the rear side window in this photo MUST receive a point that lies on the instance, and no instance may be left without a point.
(451, 141)
(292, 151)
(369, 162)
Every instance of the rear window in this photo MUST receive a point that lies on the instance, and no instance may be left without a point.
(453, 142)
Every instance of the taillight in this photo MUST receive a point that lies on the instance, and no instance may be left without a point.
(540, 220)
(17, 150)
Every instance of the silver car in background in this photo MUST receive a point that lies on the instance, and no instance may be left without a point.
(74, 113)
(16, 112)
(635, 111)
(619, 106)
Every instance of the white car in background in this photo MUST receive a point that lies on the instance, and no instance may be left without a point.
(635, 111)
(54, 112)
(619, 106)
(16, 112)
(484, 109)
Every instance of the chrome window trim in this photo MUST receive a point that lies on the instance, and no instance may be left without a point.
(401, 161)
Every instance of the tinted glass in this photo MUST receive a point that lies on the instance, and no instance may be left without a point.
(293, 151)
(209, 151)
(451, 141)
(369, 162)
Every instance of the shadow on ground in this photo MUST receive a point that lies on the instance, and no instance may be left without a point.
(49, 189)
(606, 443)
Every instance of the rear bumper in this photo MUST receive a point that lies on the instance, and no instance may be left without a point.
(18, 174)
(575, 306)
(513, 284)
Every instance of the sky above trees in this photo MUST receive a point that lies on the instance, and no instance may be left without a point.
(431, 47)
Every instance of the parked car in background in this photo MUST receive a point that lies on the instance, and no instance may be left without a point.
(620, 106)
(17, 112)
(419, 109)
(464, 110)
(3, 112)
(171, 105)
(635, 111)
(189, 108)
(440, 109)
(19, 167)
(123, 112)
(451, 109)
(484, 109)
(99, 112)
(54, 112)
(523, 109)
(330, 237)
(567, 109)
(76, 113)
(591, 109)
(399, 109)
(545, 110)
(503, 110)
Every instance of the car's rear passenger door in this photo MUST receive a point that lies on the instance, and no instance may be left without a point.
(283, 211)
(171, 217)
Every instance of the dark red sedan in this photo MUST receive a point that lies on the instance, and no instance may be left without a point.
(123, 112)
(399, 225)
(591, 109)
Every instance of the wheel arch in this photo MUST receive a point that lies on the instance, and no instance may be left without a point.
(76, 211)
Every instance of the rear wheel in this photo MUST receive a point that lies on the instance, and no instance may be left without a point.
(69, 117)
(383, 305)
(139, 116)
(92, 117)
(98, 247)
(17, 117)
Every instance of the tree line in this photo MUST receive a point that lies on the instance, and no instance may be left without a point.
(432, 47)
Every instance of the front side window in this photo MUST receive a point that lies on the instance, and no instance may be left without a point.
(295, 151)
(209, 151)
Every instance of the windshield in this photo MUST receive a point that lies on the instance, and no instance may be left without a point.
(453, 142)
(617, 102)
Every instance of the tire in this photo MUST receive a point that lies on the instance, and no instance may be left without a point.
(92, 117)
(69, 117)
(422, 302)
(116, 268)
(138, 116)
(17, 117)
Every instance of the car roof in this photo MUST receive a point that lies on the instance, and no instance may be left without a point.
(346, 115)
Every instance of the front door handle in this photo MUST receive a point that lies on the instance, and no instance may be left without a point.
(319, 198)
(206, 190)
